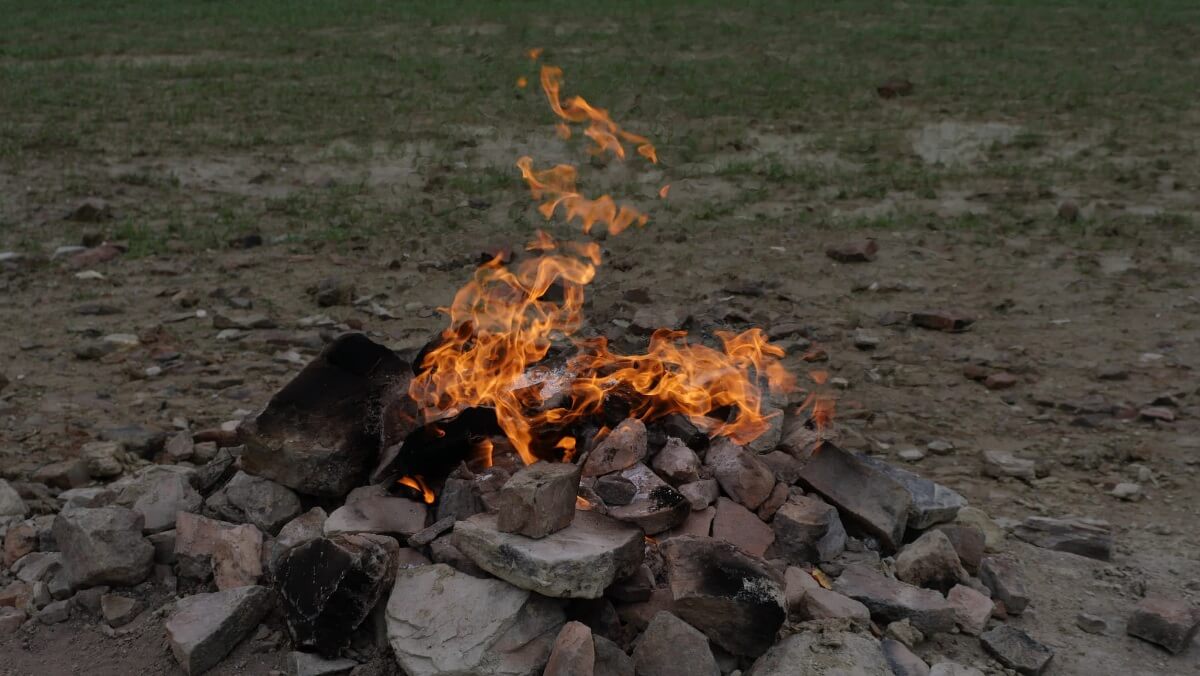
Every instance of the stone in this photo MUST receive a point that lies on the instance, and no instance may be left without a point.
(574, 652)
(159, 493)
(672, 647)
(328, 586)
(1002, 464)
(742, 475)
(891, 600)
(808, 531)
(237, 556)
(862, 251)
(103, 546)
(769, 439)
(901, 660)
(460, 499)
(1092, 624)
(953, 669)
(610, 659)
(204, 628)
(431, 532)
(826, 604)
(382, 515)
(37, 566)
(21, 539)
(55, 612)
(702, 493)
(911, 455)
(180, 447)
(538, 500)
(16, 595)
(656, 507)
(580, 561)
(253, 499)
(993, 534)
(102, 459)
(1000, 380)
(164, 546)
(624, 447)
(733, 598)
(1129, 492)
(634, 588)
(1003, 576)
(65, 474)
(971, 609)
(119, 611)
(1084, 537)
(930, 502)
(11, 503)
(735, 524)
(11, 619)
(1016, 650)
(89, 599)
(968, 543)
(828, 653)
(677, 463)
(615, 490)
(309, 664)
(698, 522)
(949, 322)
(305, 528)
(314, 435)
(442, 550)
(872, 500)
(1170, 623)
(797, 582)
(930, 561)
(442, 622)
(903, 632)
(785, 467)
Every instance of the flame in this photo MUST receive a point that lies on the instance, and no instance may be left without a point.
(583, 503)
(534, 54)
(604, 132)
(662, 192)
(821, 578)
(567, 444)
(418, 484)
(522, 82)
(556, 186)
(486, 448)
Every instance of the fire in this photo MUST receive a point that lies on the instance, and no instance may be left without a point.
(604, 132)
(556, 186)
(583, 503)
(522, 82)
(418, 484)
(662, 192)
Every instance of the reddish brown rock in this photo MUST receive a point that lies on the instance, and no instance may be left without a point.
(971, 609)
(624, 447)
(742, 475)
(930, 561)
(1000, 381)
(862, 251)
(941, 321)
(574, 652)
(735, 524)
(808, 531)
(20, 540)
(1170, 623)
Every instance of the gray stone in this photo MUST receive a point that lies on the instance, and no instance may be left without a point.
(377, 514)
(953, 669)
(968, 543)
(1003, 576)
(742, 475)
(1127, 491)
(610, 659)
(180, 447)
(305, 528)
(205, 627)
(930, 561)
(735, 524)
(808, 531)
(656, 507)
(828, 653)
(903, 632)
(702, 493)
(1001, 464)
(993, 534)
(672, 647)
(65, 474)
(11, 620)
(971, 609)
(901, 660)
(164, 546)
(11, 503)
(309, 664)
(1016, 650)
(159, 493)
(580, 561)
(460, 499)
(442, 622)
(871, 499)
(786, 468)
(36, 566)
(431, 532)
(256, 500)
(89, 599)
(442, 550)
(615, 490)
(53, 613)
(677, 463)
(1170, 623)
(538, 500)
(826, 604)
(1084, 537)
(119, 610)
(1092, 624)
(102, 459)
(931, 503)
(624, 447)
(769, 439)
(574, 652)
(891, 600)
(103, 546)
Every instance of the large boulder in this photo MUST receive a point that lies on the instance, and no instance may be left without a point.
(103, 545)
(204, 628)
(252, 499)
(442, 622)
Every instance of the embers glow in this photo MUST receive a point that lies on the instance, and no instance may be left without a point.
(418, 484)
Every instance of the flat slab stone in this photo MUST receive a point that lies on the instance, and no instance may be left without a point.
(579, 561)
(932, 503)
(205, 627)
(872, 500)
(378, 514)
(828, 653)
(1017, 650)
(891, 600)
(1083, 537)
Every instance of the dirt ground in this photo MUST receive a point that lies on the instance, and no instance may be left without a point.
(1097, 316)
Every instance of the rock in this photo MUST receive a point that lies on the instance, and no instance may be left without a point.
(701, 494)
(1003, 576)
(204, 628)
(216, 471)
(769, 439)
(204, 546)
(460, 498)
(862, 251)
(1170, 623)
(65, 474)
(656, 507)
(1016, 650)
(139, 440)
(697, 523)
(11, 619)
(377, 514)
(89, 599)
(615, 490)
(1092, 624)
(808, 531)
(252, 499)
(672, 647)
(442, 622)
(21, 539)
(119, 610)
(103, 546)
(742, 475)
(903, 632)
(829, 653)
(333, 291)
(442, 550)
(911, 455)
(931, 503)
(677, 463)
(102, 459)
(431, 532)
(1161, 413)
(891, 600)
(159, 493)
(308, 664)
(1084, 537)
(1129, 492)
(624, 447)
(825, 604)
(874, 501)
(180, 447)
(36, 566)
(779, 495)
(11, 503)
(785, 467)
(901, 660)
(993, 534)
(305, 528)
(610, 659)
(574, 652)
(314, 436)
(731, 597)
(1001, 464)
(580, 561)
(930, 561)
(53, 613)
(735, 524)
(538, 500)
(953, 669)
(968, 543)
(949, 322)
(328, 586)
(971, 609)
(16, 595)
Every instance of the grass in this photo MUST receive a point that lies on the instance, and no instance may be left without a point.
(271, 81)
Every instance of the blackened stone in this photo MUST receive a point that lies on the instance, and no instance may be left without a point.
(869, 498)
(459, 500)
(656, 507)
(1017, 650)
(615, 490)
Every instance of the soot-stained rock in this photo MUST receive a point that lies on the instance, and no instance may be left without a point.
(1084, 537)
(328, 586)
(891, 600)
(873, 501)
(734, 598)
(624, 447)
(538, 500)
(615, 490)
(204, 628)
(656, 507)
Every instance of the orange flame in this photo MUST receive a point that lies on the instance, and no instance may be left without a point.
(418, 484)
(583, 503)
(662, 192)
(604, 132)
(534, 54)
(556, 186)
(522, 82)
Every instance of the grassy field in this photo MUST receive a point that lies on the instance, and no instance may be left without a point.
(187, 115)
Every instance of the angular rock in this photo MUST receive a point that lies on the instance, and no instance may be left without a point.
(702, 493)
(1084, 537)
(808, 531)
(610, 659)
(731, 597)
(580, 561)
(825, 604)
(574, 652)
(742, 475)
(871, 499)
(971, 609)
(1092, 624)
(11, 620)
(624, 447)
(968, 543)
(769, 439)
(180, 447)
(103, 546)
(237, 557)
(1170, 623)
(538, 500)
(993, 534)
(698, 523)
(53, 613)
(442, 622)
(16, 595)
(328, 586)
(11, 503)
(159, 493)
(891, 600)
(931, 503)
(615, 490)
(21, 539)
(314, 435)
(119, 611)
(903, 632)
(1003, 576)
(308, 664)
(1016, 650)
(37, 566)
(672, 647)
(442, 550)
(305, 528)
(735, 524)
(204, 545)
(862, 251)
(1001, 464)
(930, 561)
(656, 507)
(785, 467)
(677, 463)
(901, 660)
(377, 514)
(953, 669)
(66, 474)
(253, 499)
(204, 628)
(431, 532)
(102, 459)
(949, 322)
(829, 653)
